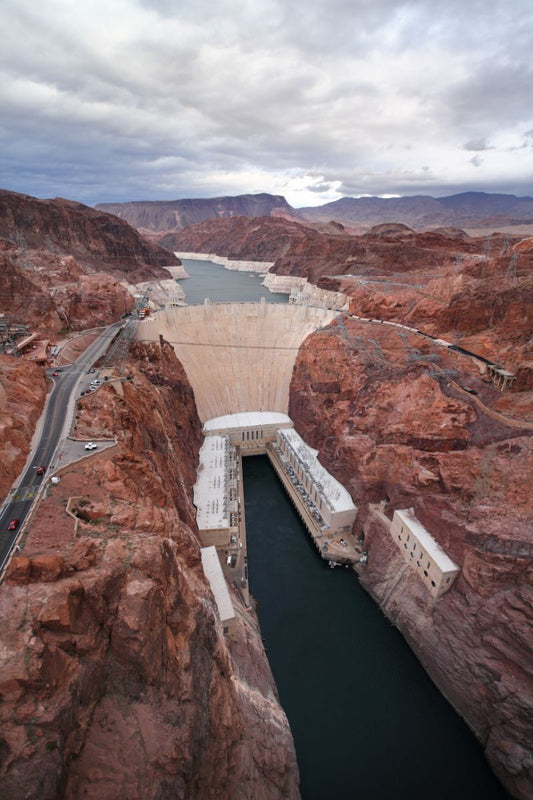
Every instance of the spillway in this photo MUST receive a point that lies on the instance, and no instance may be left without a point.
(237, 356)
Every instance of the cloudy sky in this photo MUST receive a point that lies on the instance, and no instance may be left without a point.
(106, 100)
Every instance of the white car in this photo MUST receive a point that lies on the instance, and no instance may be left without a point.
(91, 446)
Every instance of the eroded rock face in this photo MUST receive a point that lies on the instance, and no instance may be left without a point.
(370, 399)
(22, 394)
(116, 679)
(93, 238)
(299, 249)
(61, 263)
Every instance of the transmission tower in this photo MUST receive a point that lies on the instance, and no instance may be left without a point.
(9, 332)
(118, 351)
(510, 274)
(506, 245)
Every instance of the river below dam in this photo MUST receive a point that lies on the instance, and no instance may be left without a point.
(368, 723)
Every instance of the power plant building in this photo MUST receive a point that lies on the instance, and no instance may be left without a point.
(332, 502)
(422, 552)
(251, 431)
(215, 493)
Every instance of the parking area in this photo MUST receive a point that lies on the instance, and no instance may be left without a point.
(73, 450)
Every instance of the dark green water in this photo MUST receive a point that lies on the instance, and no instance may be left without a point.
(368, 723)
(223, 285)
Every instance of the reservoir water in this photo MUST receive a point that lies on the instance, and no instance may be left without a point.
(367, 721)
(223, 285)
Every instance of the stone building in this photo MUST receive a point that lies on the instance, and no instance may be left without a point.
(422, 552)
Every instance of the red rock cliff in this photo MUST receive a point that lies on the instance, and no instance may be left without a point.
(116, 679)
(22, 394)
(97, 240)
(370, 398)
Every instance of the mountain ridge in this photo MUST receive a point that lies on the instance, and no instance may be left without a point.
(462, 210)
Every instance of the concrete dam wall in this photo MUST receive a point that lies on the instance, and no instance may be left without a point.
(237, 356)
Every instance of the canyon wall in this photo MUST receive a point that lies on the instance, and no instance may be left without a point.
(116, 679)
(386, 409)
(64, 265)
(23, 389)
(321, 251)
(237, 356)
(95, 239)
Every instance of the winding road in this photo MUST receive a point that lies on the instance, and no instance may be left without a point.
(53, 429)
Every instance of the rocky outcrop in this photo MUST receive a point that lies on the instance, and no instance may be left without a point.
(116, 679)
(237, 238)
(94, 301)
(393, 425)
(301, 250)
(172, 215)
(22, 394)
(62, 263)
(97, 241)
(48, 292)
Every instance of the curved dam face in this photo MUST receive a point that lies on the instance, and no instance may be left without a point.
(237, 356)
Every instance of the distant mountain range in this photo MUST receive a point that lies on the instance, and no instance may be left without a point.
(173, 215)
(466, 210)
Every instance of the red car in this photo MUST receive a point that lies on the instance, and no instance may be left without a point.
(55, 374)
(13, 525)
(41, 470)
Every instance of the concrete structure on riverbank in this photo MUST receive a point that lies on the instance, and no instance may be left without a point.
(237, 356)
(422, 552)
(325, 507)
(215, 492)
(217, 582)
(251, 431)
(328, 501)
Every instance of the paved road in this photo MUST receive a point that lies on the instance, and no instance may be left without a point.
(53, 424)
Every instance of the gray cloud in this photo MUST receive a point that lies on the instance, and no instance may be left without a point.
(478, 145)
(140, 99)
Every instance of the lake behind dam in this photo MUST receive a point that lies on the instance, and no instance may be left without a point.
(223, 285)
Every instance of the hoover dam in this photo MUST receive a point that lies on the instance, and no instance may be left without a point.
(238, 356)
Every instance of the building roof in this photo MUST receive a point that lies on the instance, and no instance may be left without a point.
(210, 488)
(331, 490)
(215, 576)
(247, 419)
(432, 548)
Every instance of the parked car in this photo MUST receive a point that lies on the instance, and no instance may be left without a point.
(55, 373)
(13, 525)
(91, 446)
